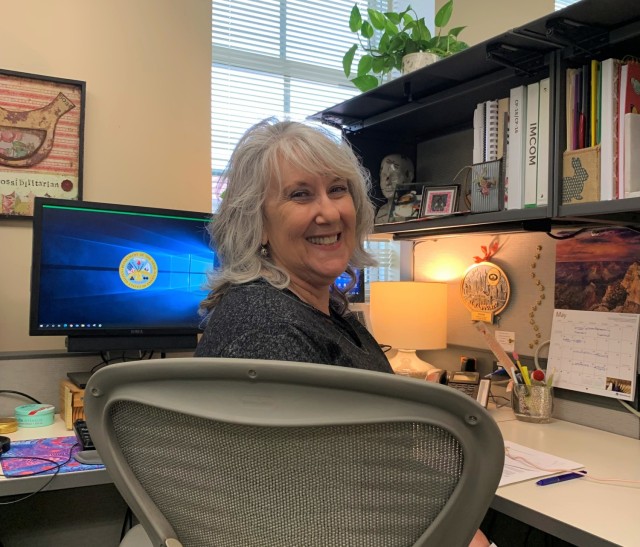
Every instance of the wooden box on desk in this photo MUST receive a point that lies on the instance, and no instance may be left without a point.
(71, 403)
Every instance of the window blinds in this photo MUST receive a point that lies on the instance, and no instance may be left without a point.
(563, 3)
(275, 58)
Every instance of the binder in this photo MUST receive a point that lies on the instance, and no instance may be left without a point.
(631, 155)
(544, 128)
(491, 130)
(610, 75)
(514, 180)
(478, 133)
(531, 146)
(629, 101)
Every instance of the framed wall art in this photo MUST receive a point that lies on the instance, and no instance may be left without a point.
(41, 140)
(406, 203)
(439, 200)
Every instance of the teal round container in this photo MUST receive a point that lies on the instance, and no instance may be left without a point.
(35, 415)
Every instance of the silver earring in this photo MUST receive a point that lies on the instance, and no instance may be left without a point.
(264, 252)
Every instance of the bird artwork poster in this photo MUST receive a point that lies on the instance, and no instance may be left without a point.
(41, 140)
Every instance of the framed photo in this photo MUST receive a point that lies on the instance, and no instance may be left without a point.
(41, 140)
(407, 202)
(439, 200)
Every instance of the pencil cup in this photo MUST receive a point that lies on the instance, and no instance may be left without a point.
(532, 403)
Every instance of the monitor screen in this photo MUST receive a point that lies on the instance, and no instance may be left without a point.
(118, 276)
(356, 294)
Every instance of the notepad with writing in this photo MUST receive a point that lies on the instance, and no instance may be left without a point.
(522, 464)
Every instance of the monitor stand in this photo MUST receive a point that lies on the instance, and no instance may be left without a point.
(79, 378)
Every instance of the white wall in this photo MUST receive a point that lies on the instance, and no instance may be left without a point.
(486, 19)
(147, 66)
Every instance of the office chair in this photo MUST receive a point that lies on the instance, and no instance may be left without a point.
(235, 452)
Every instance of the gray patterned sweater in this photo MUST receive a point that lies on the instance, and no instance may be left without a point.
(258, 321)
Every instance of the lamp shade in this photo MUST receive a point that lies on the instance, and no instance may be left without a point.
(409, 314)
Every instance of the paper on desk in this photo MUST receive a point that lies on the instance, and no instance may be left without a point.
(541, 464)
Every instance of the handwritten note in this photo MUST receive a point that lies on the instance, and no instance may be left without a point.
(595, 352)
(522, 463)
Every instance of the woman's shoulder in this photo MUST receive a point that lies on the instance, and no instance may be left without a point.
(254, 302)
(252, 294)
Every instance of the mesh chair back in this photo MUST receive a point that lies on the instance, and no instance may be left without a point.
(256, 453)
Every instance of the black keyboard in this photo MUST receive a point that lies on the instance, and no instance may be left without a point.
(82, 434)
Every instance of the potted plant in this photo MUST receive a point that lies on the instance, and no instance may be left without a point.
(388, 37)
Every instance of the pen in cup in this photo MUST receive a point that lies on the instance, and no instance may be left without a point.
(561, 478)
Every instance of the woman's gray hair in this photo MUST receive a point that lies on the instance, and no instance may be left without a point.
(237, 229)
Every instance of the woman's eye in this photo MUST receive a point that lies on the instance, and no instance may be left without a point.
(340, 189)
(299, 194)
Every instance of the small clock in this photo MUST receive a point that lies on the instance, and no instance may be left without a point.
(485, 291)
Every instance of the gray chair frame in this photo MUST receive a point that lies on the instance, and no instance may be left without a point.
(394, 444)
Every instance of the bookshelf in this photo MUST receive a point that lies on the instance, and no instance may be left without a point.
(432, 108)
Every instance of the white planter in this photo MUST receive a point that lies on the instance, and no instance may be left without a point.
(419, 59)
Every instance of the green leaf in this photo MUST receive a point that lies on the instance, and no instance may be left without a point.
(411, 25)
(377, 18)
(457, 46)
(456, 31)
(378, 65)
(393, 17)
(397, 42)
(355, 20)
(411, 47)
(424, 32)
(397, 60)
(444, 14)
(365, 83)
(347, 60)
(390, 27)
(383, 44)
(407, 19)
(366, 30)
(365, 64)
(434, 44)
(389, 64)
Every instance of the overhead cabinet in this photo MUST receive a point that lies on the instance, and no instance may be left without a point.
(428, 115)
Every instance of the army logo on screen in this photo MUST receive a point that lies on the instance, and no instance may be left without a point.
(138, 270)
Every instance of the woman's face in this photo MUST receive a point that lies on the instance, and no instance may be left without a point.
(310, 226)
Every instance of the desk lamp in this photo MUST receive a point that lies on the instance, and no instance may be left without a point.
(410, 315)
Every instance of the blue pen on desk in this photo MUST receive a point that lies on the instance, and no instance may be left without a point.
(561, 478)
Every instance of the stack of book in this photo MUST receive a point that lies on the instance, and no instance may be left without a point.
(520, 136)
(602, 105)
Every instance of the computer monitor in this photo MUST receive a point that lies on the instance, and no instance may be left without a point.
(118, 277)
(356, 293)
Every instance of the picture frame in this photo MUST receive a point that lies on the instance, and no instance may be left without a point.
(439, 200)
(41, 140)
(407, 202)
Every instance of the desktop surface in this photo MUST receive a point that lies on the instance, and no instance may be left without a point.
(24, 485)
(579, 511)
(582, 512)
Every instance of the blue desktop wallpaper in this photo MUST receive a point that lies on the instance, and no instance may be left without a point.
(82, 257)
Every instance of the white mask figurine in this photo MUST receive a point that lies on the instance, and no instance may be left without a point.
(394, 169)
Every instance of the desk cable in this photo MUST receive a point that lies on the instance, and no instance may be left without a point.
(21, 394)
(58, 466)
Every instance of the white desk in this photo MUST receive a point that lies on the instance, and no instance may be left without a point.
(581, 512)
(25, 485)
(578, 511)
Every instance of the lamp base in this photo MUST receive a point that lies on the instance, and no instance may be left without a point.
(407, 363)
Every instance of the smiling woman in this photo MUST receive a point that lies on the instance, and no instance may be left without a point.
(295, 216)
